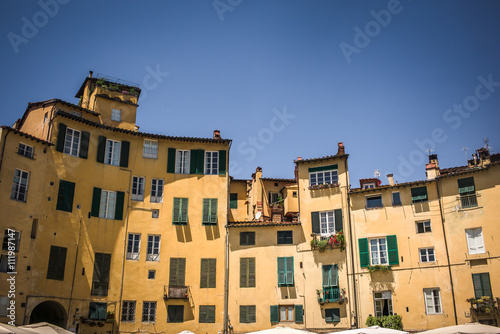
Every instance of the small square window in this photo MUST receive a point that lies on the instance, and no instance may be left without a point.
(427, 255)
(151, 274)
(116, 115)
(285, 237)
(374, 202)
(156, 213)
(247, 238)
(424, 226)
(294, 194)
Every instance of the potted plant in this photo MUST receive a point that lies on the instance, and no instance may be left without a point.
(100, 324)
(92, 324)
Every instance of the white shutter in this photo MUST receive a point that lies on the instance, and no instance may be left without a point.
(429, 301)
(479, 240)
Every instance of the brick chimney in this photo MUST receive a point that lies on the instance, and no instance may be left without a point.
(390, 177)
(90, 74)
(432, 168)
(341, 150)
(217, 134)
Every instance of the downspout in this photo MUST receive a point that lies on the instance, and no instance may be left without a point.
(226, 258)
(3, 146)
(74, 268)
(352, 249)
(447, 253)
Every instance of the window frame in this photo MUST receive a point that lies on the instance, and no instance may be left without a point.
(380, 300)
(246, 237)
(369, 197)
(26, 151)
(148, 312)
(19, 190)
(57, 264)
(476, 237)
(157, 189)
(133, 244)
(128, 311)
(110, 203)
(233, 200)
(175, 309)
(286, 271)
(248, 278)
(425, 228)
(429, 251)
(434, 305)
(211, 163)
(183, 203)
(273, 195)
(153, 250)
(138, 186)
(287, 313)
(419, 200)
(209, 311)
(7, 237)
(182, 161)
(286, 237)
(112, 152)
(5, 265)
(326, 225)
(333, 176)
(116, 114)
(70, 133)
(399, 199)
(251, 314)
(148, 149)
(379, 251)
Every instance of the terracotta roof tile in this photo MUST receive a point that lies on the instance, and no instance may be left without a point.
(24, 134)
(260, 224)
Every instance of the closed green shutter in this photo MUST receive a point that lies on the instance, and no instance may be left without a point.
(275, 313)
(289, 270)
(299, 313)
(212, 273)
(247, 272)
(84, 145)
(200, 162)
(184, 210)
(466, 185)
(193, 161)
(177, 271)
(281, 271)
(125, 148)
(61, 136)
(180, 212)
(222, 162)
(57, 263)
(315, 222)
(120, 199)
(209, 216)
(96, 202)
(251, 272)
(244, 314)
(326, 275)
(330, 275)
(364, 255)
(233, 201)
(65, 196)
(171, 160)
(208, 273)
(207, 314)
(482, 285)
(419, 194)
(392, 249)
(101, 149)
(338, 220)
(93, 312)
(334, 275)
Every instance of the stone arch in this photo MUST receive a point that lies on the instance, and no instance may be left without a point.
(49, 311)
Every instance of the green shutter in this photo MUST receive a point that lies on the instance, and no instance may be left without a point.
(244, 314)
(65, 196)
(84, 145)
(120, 199)
(326, 275)
(222, 162)
(193, 161)
(299, 313)
(233, 201)
(125, 148)
(334, 275)
(322, 168)
(243, 272)
(485, 279)
(466, 185)
(180, 212)
(392, 249)
(93, 312)
(177, 271)
(176, 211)
(101, 149)
(204, 273)
(96, 202)
(482, 285)
(200, 162)
(275, 313)
(212, 273)
(364, 255)
(184, 210)
(338, 220)
(251, 272)
(209, 215)
(289, 270)
(207, 314)
(281, 271)
(315, 222)
(419, 194)
(171, 160)
(61, 136)
(251, 313)
(57, 263)
(478, 287)
(332, 315)
(206, 211)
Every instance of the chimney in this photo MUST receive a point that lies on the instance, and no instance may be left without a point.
(432, 168)
(390, 177)
(217, 134)
(299, 158)
(90, 74)
(341, 150)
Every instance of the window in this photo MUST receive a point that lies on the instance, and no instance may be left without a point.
(482, 285)
(8, 264)
(396, 198)
(374, 202)
(294, 194)
(247, 314)
(107, 204)
(247, 272)
(4, 303)
(57, 263)
(285, 271)
(116, 115)
(11, 240)
(330, 275)
(209, 216)
(423, 227)
(285, 237)
(180, 214)
(432, 301)
(383, 303)
(151, 274)
(153, 251)
(45, 117)
(148, 311)
(182, 162)
(378, 251)
(368, 186)
(427, 255)
(128, 311)
(287, 313)
(100, 279)
(25, 150)
(34, 228)
(156, 191)
(233, 201)
(112, 154)
(65, 196)
(419, 194)
(208, 273)
(467, 191)
(327, 222)
(72, 142)
(150, 149)
(177, 271)
(212, 162)
(273, 198)
(175, 313)
(20, 185)
(155, 213)
(97, 311)
(138, 188)
(207, 314)
(247, 238)
(332, 315)
(133, 246)
(475, 240)
(323, 175)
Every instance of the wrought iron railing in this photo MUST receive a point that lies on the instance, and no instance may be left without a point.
(468, 201)
(176, 292)
(331, 294)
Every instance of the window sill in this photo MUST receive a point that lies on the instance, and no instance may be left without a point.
(374, 208)
(323, 186)
(471, 208)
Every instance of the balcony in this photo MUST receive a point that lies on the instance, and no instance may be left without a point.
(99, 289)
(468, 201)
(175, 292)
(485, 310)
(331, 294)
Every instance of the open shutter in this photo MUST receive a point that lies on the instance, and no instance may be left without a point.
(364, 256)
(466, 185)
(334, 275)
(315, 222)
(61, 136)
(326, 275)
(419, 194)
(120, 198)
(84, 145)
(171, 160)
(101, 149)
(299, 313)
(125, 147)
(275, 313)
(193, 161)
(96, 202)
(289, 270)
(184, 210)
(213, 211)
(392, 249)
(222, 162)
(176, 211)
(200, 162)
(281, 271)
(338, 220)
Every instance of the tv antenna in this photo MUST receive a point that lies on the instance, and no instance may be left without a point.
(429, 150)
(486, 146)
(465, 151)
(376, 173)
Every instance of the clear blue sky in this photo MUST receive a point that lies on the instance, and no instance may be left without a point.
(381, 76)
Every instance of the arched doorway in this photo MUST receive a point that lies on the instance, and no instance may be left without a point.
(51, 312)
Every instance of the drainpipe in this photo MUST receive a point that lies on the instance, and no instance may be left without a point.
(74, 268)
(447, 252)
(226, 258)
(3, 146)
(352, 249)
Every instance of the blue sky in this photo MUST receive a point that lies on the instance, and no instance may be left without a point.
(281, 78)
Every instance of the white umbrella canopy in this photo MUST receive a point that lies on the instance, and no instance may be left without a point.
(46, 328)
(8, 329)
(185, 332)
(281, 330)
(371, 330)
(474, 328)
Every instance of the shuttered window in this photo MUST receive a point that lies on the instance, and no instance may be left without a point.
(327, 222)
(419, 194)
(197, 162)
(285, 237)
(175, 313)
(466, 186)
(107, 204)
(208, 273)
(299, 313)
(285, 271)
(482, 285)
(247, 272)
(57, 263)
(275, 313)
(97, 311)
(209, 216)
(332, 315)
(475, 240)
(382, 251)
(233, 201)
(207, 314)
(330, 275)
(247, 238)
(100, 279)
(65, 196)
(180, 214)
(177, 271)
(247, 314)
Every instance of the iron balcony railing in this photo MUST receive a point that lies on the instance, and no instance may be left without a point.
(468, 201)
(331, 294)
(175, 292)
